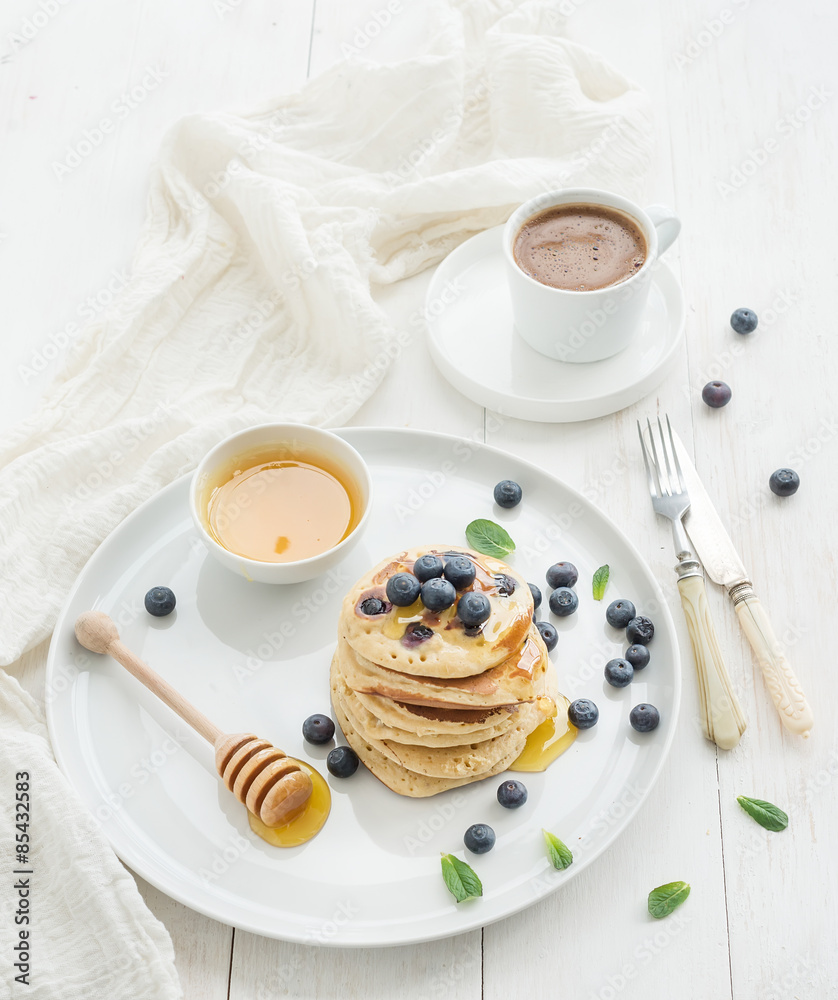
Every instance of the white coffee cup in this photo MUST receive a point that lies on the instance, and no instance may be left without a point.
(581, 326)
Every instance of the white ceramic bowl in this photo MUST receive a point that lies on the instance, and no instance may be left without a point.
(309, 439)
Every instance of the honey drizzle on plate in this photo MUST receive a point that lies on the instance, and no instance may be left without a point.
(547, 741)
(306, 823)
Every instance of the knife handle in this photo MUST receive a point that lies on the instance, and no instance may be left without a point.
(722, 718)
(795, 713)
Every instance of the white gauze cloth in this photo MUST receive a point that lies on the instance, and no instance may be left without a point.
(91, 936)
(250, 294)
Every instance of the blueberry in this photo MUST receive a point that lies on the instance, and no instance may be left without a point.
(562, 574)
(505, 584)
(563, 602)
(438, 594)
(342, 762)
(548, 634)
(160, 601)
(583, 713)
(619, 613)
(716, 394)
(460, 571)
(640, 630)
(507, 494)
(318, 729)
(783, 482)
(479, 838)
(512, 794)
(644, 718)
(374, 606)
(744, 320)
(403, 590)
(427, 567)
(536, 596)
(637, 655)
(619, 672)
(473, 608)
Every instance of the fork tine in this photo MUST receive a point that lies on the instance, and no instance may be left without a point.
(650, 480)
(674, 487)
(682, 481)
(656, 461)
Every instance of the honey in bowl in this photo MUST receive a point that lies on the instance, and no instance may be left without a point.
(281, 504)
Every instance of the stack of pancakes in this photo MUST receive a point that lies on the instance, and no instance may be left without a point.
(428, 704)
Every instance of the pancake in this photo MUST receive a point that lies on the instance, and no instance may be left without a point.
(513, 682)
(470, 759)
(399, 778)
(423, 720)
(443, 647)
(371, 726)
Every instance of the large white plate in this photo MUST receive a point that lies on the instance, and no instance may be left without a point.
(255, 657)
(474, 343)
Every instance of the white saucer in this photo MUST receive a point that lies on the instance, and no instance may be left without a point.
(474, 344)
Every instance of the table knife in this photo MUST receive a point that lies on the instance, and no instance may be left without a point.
(723, 565)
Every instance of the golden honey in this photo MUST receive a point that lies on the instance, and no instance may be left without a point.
(281, 504)
(547, 742)
(306, 823)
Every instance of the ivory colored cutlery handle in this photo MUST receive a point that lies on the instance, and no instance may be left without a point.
(795, 713)
(722, 718)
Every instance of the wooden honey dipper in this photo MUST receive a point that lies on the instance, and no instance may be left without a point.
(269, 783)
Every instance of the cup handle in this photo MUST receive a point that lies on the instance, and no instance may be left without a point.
(667, 224)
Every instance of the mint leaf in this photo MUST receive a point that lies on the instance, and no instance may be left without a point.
(666, 898)
(601, 582)
(461, 879)
(559, 854)
(765, 813)
(489, 538)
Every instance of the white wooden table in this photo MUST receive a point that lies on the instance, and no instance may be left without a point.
(744, 97)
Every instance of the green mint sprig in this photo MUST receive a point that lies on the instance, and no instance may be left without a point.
(666, 898)
(461, 879)
(489, 538)
(765, 813)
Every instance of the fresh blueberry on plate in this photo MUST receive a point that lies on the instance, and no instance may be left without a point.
(427, 567)
(536, 596)
(160, 601)
(562, 574)
(342, 762)
(438, 594)
(473, 608)
(784, 482)
(318, 729)
(641, 630)
(619, 613)
(744, 320)
(549, 634)
(716, 394)
(563, 602)
(460, 571)
(583, 713)
(637, 655)
(507, 493)
(619, 672)
(479, 838)
(403, 590)
(512, 794)
(644, 718)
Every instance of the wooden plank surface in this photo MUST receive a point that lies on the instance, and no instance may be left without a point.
(744, 100)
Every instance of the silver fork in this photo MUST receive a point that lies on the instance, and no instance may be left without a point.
(721, 715)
